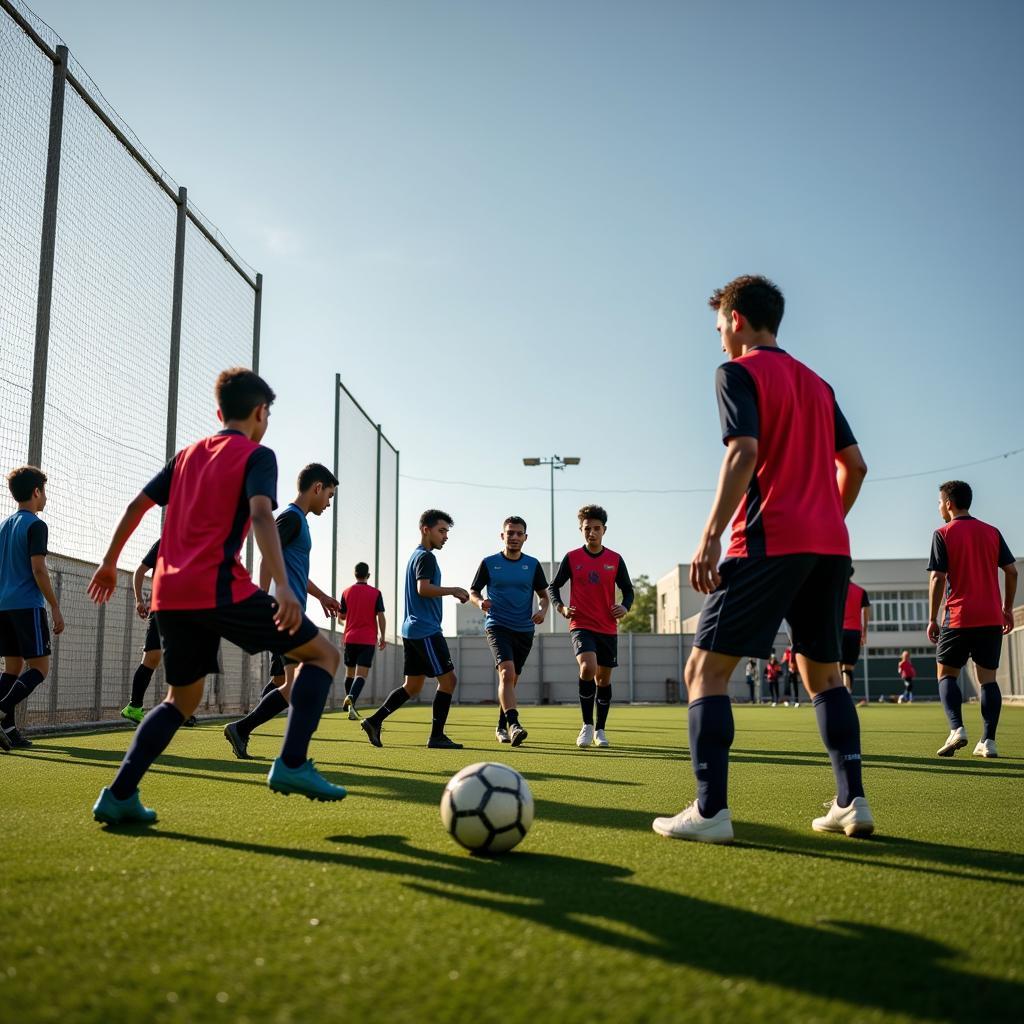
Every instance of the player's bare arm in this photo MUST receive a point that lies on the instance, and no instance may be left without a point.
(1009, 595)
(427, 589)
(41, 574)
(851, 469)
(141, 604)
(289, 612)
(104, 579)
(936, 588)
(330, 605)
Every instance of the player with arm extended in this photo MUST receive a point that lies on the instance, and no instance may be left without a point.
(366, 630)
(316, 489)
(25, 590)
(791, 472)
(966, 557)
(202, 593)
(856, 616)
(511, 579)
(426, 651)
(593, 613)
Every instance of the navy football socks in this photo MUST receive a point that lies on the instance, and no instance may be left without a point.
(991, 705)
(439, 713)
(952, 700)
(588, 689)
(349, 680)
(140, 683)
(603, 699)
(711, 733)
(357, 687)
(309, 695)
(840, 732)
(270, 706)
(271, 686)
(502, 719)
(149, 741)
(394, 700)
(21, 688)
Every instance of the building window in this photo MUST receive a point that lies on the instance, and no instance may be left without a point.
(898, 611)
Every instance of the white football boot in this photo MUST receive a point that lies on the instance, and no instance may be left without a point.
(957, 738)
(854, 820)
(600, 739)
(688, 824)
(986, 748)
(586, 736)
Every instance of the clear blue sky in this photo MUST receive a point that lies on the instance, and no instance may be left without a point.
(500, 223)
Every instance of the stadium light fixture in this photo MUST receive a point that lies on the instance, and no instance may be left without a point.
(555, 462)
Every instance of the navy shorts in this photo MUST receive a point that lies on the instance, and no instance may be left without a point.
(191, 637)
(25, 633)
(359, 655)
(851, 647)
(427, 656)
(278, 663)
(604, 645)
(982, 644)
(152, 641)
(509, 645)
(742, 617)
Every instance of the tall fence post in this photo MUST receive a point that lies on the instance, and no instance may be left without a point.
(257, 314)
(126, 644)
(97, 682)
(47, 251)
(337, 500)
(177, 292)
(397, 527)
(376, 541)
(53, 683)
(632, 672)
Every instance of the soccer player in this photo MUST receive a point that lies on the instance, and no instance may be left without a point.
(856, 616)
(25, 590)
(907, 674)
(791, 472)
(202, 592)
(426, 651)
(772, 671)
(366, 627)
(316, 488)
(751, 676)
(792, 678)
(965, 559)
(511, 579)
(593, 614)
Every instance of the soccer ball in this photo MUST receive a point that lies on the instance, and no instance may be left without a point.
(487, 807)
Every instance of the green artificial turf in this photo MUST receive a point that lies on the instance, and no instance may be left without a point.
(240, 905)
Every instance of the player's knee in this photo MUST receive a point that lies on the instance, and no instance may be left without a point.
(151, 659)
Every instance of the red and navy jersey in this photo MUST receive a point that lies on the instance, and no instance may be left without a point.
(792, 505)
(206, 489)
(361, 604)
(970, 553)
(592, 593)
(856, 600)
(150, 557)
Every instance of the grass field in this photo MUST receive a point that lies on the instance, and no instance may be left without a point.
(244, 906)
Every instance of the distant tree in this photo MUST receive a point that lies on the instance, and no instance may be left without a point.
(645, 603)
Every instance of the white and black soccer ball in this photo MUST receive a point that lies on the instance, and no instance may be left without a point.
(487, 807)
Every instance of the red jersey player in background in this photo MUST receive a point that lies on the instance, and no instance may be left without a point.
(907, 674)
(856, 616)
(593, 614)
(966, 557)
(362, 608)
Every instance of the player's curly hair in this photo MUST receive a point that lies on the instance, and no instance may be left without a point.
(958, 492)
(593, 512)
(24, 480)
(433, 516)
(759, 301)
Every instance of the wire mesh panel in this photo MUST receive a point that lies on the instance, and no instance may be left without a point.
(25, 78)
(389, 536)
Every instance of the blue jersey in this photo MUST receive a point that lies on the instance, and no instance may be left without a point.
(296, 543)
(511, 584)
(22, 535)
(422, 614)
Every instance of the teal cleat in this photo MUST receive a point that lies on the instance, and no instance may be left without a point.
(133, 714)
(129, 811)
(305, 781)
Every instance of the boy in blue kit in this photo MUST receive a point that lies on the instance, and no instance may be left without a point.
(511, 579)
(426, 652)
(25, 590)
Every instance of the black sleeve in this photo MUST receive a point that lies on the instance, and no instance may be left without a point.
(379, 609)
(150, 557)
(426, 565)
(625, 584)
(158, 490)
(481, 579)
(540, 581)
(737, 402)
(844, 435)
(38, 534)
(289, 526)
(261, 475)
(865, 601)
(939, 560)
(561, 578)
(344, 607)
(1005, 558)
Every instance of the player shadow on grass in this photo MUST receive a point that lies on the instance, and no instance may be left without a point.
(856, 963)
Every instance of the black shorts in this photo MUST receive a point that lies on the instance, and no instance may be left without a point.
(604, 645)
(742, 617)
(152, 641)
(908, 685)
(278, 663)
(851, 647)
(359, 655)
(982, 644)
(428, 656)
(191, 638)
(24, 633)
(509, 645)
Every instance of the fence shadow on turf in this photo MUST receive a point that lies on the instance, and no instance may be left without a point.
(596, 902)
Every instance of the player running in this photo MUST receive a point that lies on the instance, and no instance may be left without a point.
(593, 614)
(792, 470)
(202, 592)
(965, 558)
(907, 674)
(25, 590)
(426, 650)
(316, 489)
(511, 579)
(856, 616)
(362, 608)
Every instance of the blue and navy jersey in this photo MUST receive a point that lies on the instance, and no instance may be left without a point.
(422, 614)
(511, 584)
(296, 543)
(22, 535)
